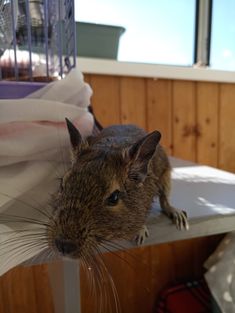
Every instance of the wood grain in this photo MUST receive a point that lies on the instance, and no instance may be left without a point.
(133, 101)
(139, 275)
(19, 291)
(43, 293)
(184, 120)
(159, 110)
(196, 119)
(144, 272)
(106, 99)
(226, 127)
(207, 98)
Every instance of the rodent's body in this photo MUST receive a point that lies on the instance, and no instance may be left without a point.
(108, 192)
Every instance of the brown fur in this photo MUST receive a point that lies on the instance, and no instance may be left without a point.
(113, 160)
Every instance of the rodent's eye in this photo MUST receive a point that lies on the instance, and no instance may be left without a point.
(113, 198)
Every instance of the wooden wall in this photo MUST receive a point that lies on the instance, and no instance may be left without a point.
(145, 271)
(138, 274)
(197, 123)
(26, 290)
(196, 118)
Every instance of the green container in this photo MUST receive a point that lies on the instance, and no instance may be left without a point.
(97, 40)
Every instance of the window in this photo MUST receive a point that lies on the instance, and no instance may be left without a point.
(223, 35)
(157, 31)
(173, 32)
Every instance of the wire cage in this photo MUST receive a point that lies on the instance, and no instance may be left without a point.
(37, 39)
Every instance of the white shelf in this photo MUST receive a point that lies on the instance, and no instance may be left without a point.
(113, 67)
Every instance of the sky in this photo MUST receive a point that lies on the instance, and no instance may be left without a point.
(162, 31)
(223, 35)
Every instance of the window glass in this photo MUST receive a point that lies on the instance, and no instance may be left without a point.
(223, 35)
(157, 31)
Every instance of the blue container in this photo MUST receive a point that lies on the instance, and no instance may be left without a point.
(16, 90)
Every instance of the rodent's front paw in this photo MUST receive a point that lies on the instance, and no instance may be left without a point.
(179, 218)
(142, 235)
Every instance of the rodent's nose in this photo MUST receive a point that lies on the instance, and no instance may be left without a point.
(65, 246)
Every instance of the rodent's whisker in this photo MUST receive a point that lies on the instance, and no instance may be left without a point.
(110, 280)
(27, 230)
(26, 253)
(99, 281)
(61, 150)
(45, 255)
(23, 250)
(88, 270)
(23, 237)
(103, 298)
(25, 233)
(46, 214)
(36, 258)
(112, 244)
(117, 256)
(10, 218)
(147, 290)
(118, 246)
(26, 241)
(29, 241)
(87, 267)
(103, 272)
(14, 240)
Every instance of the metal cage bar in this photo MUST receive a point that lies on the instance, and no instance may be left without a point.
(16, 71)
(60, 40)
(51, 38)
(28, 22)
(46, 25)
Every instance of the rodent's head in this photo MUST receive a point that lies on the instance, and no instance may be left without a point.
(104, 196)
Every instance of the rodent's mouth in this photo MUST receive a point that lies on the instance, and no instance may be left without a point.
(69, 256)
(65, 247)
(72, 249)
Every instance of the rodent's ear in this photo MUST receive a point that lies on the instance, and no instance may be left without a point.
(141, 153)
(75, 136)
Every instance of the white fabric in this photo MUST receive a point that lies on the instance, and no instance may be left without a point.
(221, 274)
(34, 151)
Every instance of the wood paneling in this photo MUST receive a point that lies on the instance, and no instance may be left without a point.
(133, 101)
(18, 290)
(144, 272)
(195, 118)
(184, 120)
(227, 127)
(26, 290)
(106, 99)
(197, 123)
(159, 110)
(43, 298)
(138, 274)
(207, 131)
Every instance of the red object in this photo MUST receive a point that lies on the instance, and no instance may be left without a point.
(191, 297)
